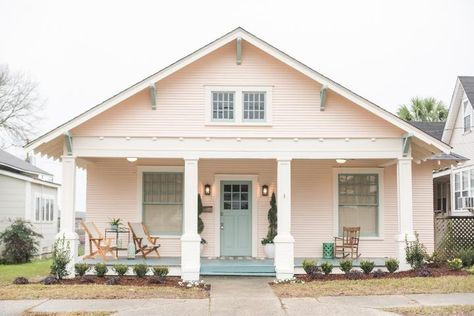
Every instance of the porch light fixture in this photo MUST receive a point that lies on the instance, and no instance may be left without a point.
(207, 189)
(131, 159)
(265, 190)
(341, 161)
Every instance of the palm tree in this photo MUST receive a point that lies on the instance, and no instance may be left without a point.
(423, 110)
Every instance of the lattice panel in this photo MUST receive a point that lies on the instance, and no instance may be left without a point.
(453, 233)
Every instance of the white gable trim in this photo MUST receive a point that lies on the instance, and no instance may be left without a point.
(454, 107)
(250, 38)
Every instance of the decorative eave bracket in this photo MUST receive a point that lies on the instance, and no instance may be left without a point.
(68, 143)
(152, 88)
(406, 144)
(323, 96)
(238, 55)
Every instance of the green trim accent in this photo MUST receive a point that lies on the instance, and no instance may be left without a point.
(153, 96)
(323, 96)
(406, 143)
(68, 141)
(239, 51)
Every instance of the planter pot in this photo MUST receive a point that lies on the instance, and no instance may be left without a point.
(114, 227)
(269, 250)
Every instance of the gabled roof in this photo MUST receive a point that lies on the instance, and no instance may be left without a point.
(464, 84)
(10, 161)
(264, 46)
(435, 129)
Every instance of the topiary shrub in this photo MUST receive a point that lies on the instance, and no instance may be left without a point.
(120, 269)
(100, 269)
(160, 271)
(346, 265)
(367, 266)
(415, 252)
(392, 265)
(308, 265)
(272, 221)
(140, 270)
(20, 241)
(326, 267)
(455, 264)
(20, 280)
(81, 268)
(61, 258)
(466, 256)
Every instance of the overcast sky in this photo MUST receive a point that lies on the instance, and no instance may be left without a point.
(83, 52)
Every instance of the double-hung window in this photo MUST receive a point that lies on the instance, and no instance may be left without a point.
(467, 110)
(254, 106)
(463, 187)
(359, 202)
(163, 202)
(44, 209)
(223, 106)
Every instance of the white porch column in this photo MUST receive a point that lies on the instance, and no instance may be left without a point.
(284, 241)
(405, 207)
(68, 198)
(190, 240)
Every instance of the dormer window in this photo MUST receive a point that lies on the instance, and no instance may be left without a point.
(467, 110)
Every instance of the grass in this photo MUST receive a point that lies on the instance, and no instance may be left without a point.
(445, 284)
(33, 270)
(459, 310)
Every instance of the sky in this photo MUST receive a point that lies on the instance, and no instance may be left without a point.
(82, 52)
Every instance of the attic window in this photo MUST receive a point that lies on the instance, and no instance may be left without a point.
(467, 117)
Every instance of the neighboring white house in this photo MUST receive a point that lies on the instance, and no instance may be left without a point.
(454, 186)
(24, 193)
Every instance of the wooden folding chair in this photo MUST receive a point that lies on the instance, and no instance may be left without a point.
(348, 244)
(102, 245)
(144, 243)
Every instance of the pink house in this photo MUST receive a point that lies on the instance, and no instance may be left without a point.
(233, 121)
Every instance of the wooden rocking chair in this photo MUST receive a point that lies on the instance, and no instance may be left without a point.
(102, 245)
(348, 244)
(144, 243)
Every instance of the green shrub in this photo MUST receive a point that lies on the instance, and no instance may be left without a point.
(308, 265)
(81, 268)
(100, 269)
(455, 264)
(436, 259)
(467, 256)
(120, 269)
(346, 265)
(415, 252)
(61, 258)
(140, 270)
(160, 271)
(392, 265)
(367, 266)
(471, 270)
(20, 242)
(326, 267)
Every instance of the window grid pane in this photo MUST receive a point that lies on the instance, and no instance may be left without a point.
(254, 106)
(223, 106)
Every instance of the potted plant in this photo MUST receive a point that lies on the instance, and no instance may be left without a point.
(115, 223)
(200, 227)
(267, 242)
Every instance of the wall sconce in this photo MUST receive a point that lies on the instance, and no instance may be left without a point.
(265, 190)
(131, 159)
(207, 189)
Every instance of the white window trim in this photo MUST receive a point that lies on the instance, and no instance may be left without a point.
(459, 211)
(140, 171)
(380, 173)
(466, 113)
(238, 105)
(42, 198)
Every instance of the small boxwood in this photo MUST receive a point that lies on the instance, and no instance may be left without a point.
(392, 265)
(346, 265)
(140, 270)
(367, 266)
(120, 269)
(100, 269)
(308, 265)
(160, 271)
(326, 267)
(81, 268)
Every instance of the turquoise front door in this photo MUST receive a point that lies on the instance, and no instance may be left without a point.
(236, 218)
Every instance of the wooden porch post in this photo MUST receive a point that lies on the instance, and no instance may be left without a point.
(405, 207)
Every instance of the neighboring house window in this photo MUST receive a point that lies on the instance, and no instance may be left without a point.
(467, 117)
(163, 202)
(254, 106)
(441, 196)
(463, 187)
(457, 190)
(358, 196)
(223, 106)
(44, 209)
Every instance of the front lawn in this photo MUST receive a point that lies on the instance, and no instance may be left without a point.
(458, 310)
(444, 284)
(34, 270)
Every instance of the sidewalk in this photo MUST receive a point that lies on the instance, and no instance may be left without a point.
(242, 296)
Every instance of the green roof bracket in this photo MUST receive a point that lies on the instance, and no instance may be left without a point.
(153, 96)
(323, 96)
(406, 144)
(238, 58)
(68, 143)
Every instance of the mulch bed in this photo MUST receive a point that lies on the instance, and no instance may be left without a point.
(125, 280)
(433, 272)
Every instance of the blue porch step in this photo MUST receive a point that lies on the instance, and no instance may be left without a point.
(244, 267)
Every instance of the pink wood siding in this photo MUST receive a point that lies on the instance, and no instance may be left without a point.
(181, 103)
(112, 192)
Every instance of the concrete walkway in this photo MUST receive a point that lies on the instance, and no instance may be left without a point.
(241, 296)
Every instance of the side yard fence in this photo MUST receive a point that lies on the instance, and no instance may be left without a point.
(453, 233)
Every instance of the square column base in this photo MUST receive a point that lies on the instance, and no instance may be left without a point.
(190, 257)
(284, 256)
(404, 266)
(71, 239)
